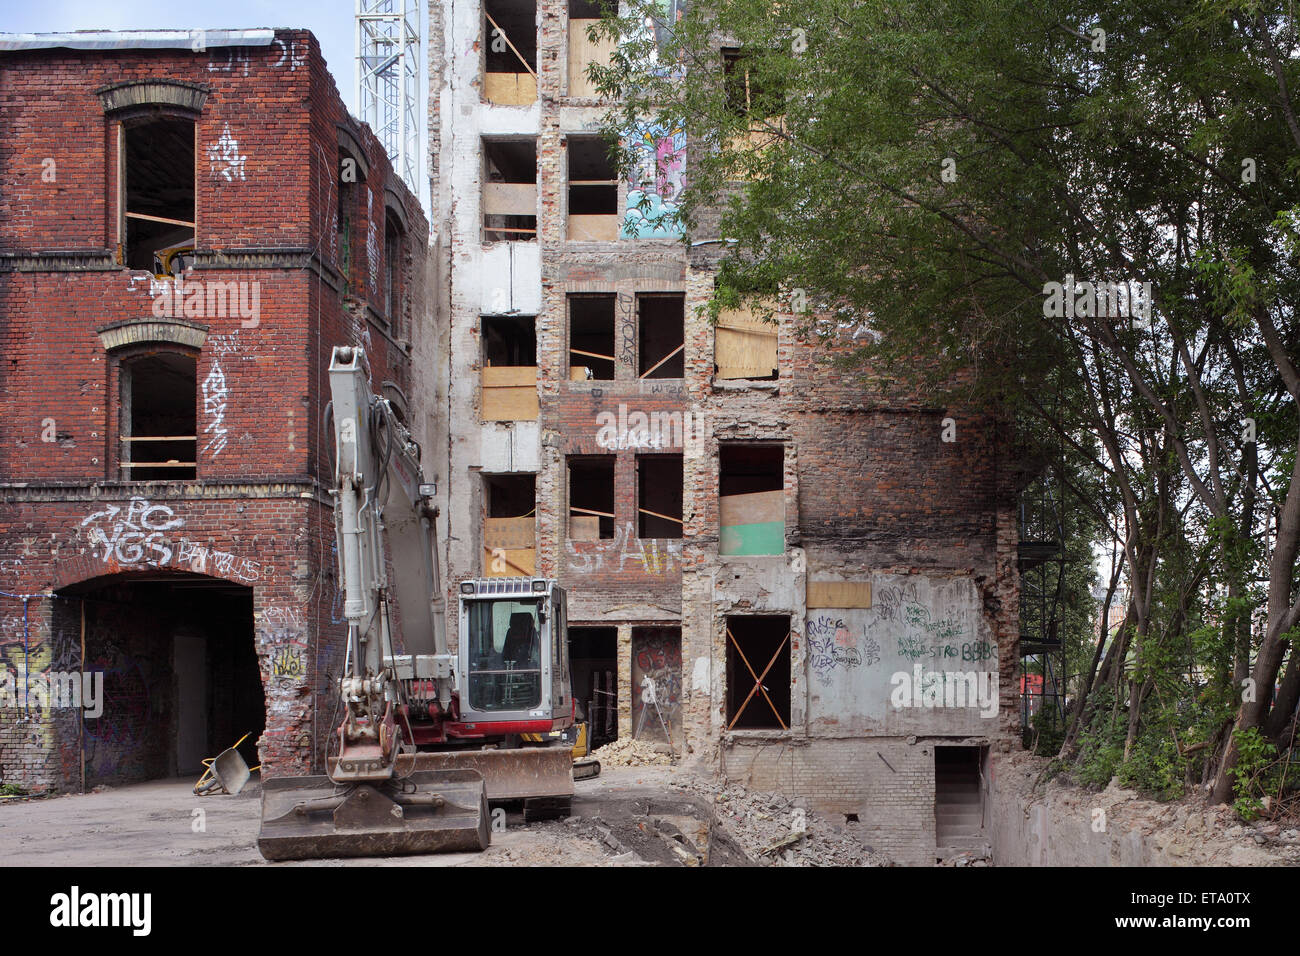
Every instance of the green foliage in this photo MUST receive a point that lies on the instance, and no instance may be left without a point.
(1257, 772)
(11, 790)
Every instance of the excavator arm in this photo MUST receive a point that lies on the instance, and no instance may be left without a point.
(365, 805)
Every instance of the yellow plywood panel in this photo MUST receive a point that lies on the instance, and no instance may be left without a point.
(510, 199)
(839, 594)
(510, 89)
(602, 228)
(509, 533)
(509, 563)
(510, 404)
(744, 345)
(583, 51)
(578, 373)
(502, 376)
(584, 528)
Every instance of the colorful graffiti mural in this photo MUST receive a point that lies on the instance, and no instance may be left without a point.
(655, 182)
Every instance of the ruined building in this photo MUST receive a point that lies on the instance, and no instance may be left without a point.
(189, 222)
(816, 584)
(767, 540)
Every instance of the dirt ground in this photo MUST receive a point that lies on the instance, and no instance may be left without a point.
(151, 824)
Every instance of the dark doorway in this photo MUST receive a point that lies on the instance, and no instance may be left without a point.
(180, 674)
(593, 656)
(958, 797)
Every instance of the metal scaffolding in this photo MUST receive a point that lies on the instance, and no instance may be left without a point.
(388, 79)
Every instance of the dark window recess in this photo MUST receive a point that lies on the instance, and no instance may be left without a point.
(509, 340)
(158, 418)
(510, 23)
(659, 496)
(663, 334)
(745, 469)
(392, 270)
(752, 90)
(509, 496)
(591, 498)
(593, 181)
(593, 657)
(158, 195)
(347, 207)
(509, 190)
(758, 647)
(591, 336)
(584, 9)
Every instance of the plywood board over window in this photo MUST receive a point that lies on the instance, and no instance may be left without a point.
(510, 394)
(744, 345)
(582, 51)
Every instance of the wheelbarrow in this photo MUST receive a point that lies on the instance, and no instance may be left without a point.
(226, 771)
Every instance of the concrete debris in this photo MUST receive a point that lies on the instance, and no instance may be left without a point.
(626, 752)
(777, 831)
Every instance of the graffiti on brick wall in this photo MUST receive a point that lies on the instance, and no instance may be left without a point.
(215, 394)
(626, 550)
(655, 182)
(201, 559)
(372, 243)
(142, 534)
(225, 161)
(282, 632)
(136, 535)
(657, 655)
(228, 60)
(292, 54)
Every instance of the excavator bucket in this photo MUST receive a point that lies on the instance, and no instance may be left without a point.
(427, 811)
(524, 773)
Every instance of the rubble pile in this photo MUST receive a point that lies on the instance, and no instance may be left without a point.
(768, 827)
(627, 752)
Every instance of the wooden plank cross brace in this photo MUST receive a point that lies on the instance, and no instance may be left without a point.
(758, 680)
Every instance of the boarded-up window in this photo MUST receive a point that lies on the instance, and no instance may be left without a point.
(744, 345)
(593, 190)
(582, 14)
(509, 368)
(509, 190)
(509, 533)
(751, 503)
(510, 50)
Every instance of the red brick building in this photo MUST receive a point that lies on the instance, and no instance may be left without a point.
(189, 222)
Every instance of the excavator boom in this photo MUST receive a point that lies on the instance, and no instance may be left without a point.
(366, 805)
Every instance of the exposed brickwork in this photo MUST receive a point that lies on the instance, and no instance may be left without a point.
(257, 516)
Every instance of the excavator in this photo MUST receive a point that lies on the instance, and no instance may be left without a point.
(429, 737)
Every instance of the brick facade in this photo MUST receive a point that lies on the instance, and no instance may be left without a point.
(240, 557)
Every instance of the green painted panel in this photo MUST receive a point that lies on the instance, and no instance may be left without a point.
(767, 537)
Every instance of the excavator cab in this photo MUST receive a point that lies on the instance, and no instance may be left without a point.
(514, 657)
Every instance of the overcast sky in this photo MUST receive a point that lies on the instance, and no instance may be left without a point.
(330, 20)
